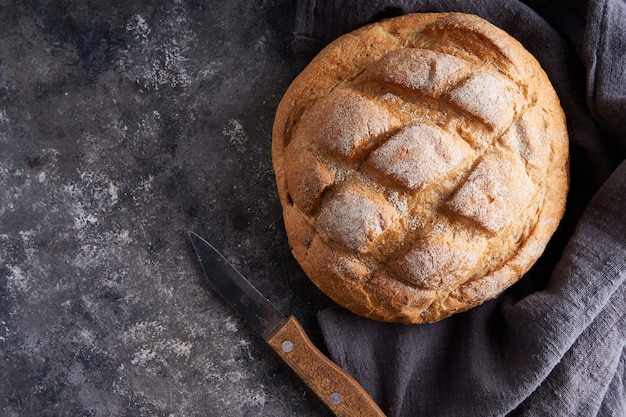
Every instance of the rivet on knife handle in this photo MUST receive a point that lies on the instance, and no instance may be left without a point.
(335, 387)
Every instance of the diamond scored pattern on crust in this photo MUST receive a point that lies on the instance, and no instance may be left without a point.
(350, 125)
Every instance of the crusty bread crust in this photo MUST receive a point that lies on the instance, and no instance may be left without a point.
(422, 166)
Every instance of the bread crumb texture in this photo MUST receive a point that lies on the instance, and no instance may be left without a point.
(422, 166)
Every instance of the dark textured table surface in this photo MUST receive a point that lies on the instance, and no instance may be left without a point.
(122, 126)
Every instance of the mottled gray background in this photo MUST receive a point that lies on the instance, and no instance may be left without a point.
(122, 126)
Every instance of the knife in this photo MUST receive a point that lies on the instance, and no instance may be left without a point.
(341, 393)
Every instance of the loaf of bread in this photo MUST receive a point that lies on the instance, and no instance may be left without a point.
(422, 166)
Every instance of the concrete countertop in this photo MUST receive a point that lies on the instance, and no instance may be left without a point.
(122, 126)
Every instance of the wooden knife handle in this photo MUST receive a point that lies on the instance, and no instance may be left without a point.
(335, 387)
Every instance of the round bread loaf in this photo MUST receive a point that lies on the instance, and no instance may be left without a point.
(422, 166)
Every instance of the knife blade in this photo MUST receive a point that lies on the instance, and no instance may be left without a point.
(341, 393)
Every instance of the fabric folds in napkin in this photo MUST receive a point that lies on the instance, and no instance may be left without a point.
(553, 344)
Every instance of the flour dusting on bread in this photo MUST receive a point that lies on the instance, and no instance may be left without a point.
(422, 165)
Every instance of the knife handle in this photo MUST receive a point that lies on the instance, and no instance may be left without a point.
(335, 387)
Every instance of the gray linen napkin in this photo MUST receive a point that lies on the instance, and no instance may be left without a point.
(553, 344)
